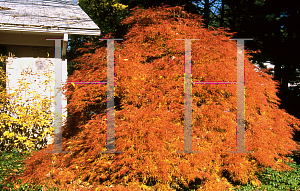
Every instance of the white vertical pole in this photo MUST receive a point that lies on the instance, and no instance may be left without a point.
(64, 75)
(58, 98)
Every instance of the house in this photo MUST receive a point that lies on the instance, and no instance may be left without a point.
(36, 32)
(269, 65)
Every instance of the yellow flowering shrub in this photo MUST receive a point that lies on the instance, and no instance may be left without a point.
(24, 122)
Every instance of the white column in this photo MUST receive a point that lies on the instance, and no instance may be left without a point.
(60, 77)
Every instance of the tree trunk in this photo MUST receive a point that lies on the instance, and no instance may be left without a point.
(206, 13)
(222, 15)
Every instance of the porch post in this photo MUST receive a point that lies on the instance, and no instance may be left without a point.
(58, 97)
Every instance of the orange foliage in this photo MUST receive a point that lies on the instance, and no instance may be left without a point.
(149, 82)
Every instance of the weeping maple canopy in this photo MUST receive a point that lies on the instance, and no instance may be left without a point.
(149, 113)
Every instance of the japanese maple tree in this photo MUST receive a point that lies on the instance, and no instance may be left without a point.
(149, 113)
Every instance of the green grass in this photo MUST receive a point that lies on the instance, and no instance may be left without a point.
(273, 180)
(13, 163)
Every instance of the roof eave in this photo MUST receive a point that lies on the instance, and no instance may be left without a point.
(94, 32)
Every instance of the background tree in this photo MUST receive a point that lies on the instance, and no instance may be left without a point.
(190, 6)
(107, 15)
(270, 23)
(274, 33)
(149, 70)
(272, 26)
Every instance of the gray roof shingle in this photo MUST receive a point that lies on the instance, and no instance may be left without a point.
(52, 16)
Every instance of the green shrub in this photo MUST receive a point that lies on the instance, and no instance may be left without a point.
(275, 180)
